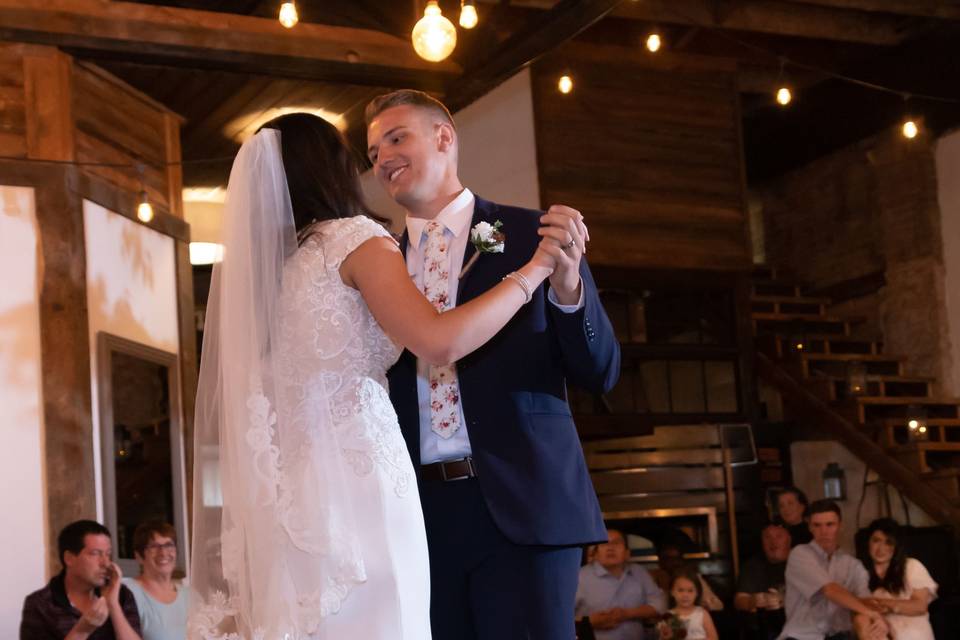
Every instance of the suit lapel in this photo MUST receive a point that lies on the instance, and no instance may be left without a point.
(467, 288)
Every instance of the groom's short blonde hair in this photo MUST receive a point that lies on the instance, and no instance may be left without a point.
(409, 97)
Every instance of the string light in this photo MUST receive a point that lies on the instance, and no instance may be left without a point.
(468, 14)
(434, 37)
(909, 129)
(784, 95)
(144, 210)
(288, 14)
(565, 84)
(653, 42)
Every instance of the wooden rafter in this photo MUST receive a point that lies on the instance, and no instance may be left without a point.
(779, 17)
(150, 34)
(943, 9)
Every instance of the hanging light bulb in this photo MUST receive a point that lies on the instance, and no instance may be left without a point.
(654, 42)
(434, 37)
(468, 14)
(288, 14)
(909, 129)
(784, 96)
(565, 84)
(144, 210)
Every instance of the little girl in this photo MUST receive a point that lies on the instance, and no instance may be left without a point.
(685, 594)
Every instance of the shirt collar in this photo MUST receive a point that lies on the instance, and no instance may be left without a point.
(822, 552)
(456, 217)
(600, 571)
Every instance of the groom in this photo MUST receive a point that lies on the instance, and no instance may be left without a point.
(506, 495)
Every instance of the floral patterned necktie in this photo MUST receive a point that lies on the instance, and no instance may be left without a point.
(444, 387)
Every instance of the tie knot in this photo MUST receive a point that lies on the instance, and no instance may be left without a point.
(434, 228)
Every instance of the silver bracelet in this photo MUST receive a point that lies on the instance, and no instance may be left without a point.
(521, 280)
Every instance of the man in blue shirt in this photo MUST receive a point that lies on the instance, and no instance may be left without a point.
(617, 595)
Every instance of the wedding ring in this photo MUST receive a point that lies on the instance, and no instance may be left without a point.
(569, 245)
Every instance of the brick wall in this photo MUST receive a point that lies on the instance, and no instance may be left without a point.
(869, 208)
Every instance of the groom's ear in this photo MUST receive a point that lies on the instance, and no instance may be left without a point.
(446, 136)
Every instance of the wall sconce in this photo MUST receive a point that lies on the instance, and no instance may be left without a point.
(856, 378)
(834, 482)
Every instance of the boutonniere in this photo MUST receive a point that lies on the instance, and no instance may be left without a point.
(487, 238)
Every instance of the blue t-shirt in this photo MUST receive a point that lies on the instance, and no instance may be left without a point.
(159, 621)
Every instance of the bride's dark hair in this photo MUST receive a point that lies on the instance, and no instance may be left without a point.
(322, 172)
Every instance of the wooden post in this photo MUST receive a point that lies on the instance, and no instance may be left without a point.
(731, 503)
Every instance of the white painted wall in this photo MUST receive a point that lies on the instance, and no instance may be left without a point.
(131, 292)
(947, 156)
(498, 151)
(23, 543)
(808, 460)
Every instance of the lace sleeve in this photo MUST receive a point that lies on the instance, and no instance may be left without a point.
(341, 237)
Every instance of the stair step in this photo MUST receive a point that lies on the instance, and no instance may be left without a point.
(836, 387)
(776, 288)
(895, 431)
(798, 299)
(925, 457)
(826, 364)
(946, 481)
(780, 345)
(789, 305)
(868, 409)
(780, 324)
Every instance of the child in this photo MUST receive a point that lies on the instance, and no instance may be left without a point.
(684, 595)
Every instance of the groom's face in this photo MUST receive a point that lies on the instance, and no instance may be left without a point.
(409, 153)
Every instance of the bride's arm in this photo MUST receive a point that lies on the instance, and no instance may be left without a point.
(376, 268)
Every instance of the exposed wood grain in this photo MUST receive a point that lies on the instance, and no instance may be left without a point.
(47, 96)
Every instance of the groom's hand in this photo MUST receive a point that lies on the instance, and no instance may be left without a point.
(565, 228)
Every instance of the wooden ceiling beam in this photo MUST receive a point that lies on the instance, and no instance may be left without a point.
(942, 9)
(762, 16)
(150, 34)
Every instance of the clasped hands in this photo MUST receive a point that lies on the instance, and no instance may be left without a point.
(564, 238)
(873, 626)
(608, 618)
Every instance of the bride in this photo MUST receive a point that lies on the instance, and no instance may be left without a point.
(307, 521)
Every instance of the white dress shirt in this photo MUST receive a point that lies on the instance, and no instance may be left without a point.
(455, 218)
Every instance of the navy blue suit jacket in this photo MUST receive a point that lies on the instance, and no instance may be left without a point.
(526, 448)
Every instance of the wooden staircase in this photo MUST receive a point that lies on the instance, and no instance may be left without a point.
(806, 353)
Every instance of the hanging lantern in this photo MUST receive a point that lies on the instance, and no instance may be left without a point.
(834, 482)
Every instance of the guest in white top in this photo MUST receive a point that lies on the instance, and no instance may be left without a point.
(162, 602)
(901, 587)
(685, 596)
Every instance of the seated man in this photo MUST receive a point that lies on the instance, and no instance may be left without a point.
(85, 601)
(617, 595)
(825, 584)
(759, 595)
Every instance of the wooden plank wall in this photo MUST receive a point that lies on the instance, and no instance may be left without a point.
(13, 117)
(649, 148)
(117, 124)
(54, 108)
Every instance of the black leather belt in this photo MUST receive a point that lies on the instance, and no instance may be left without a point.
(449, 470)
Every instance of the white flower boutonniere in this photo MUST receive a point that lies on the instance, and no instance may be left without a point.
(487, 238)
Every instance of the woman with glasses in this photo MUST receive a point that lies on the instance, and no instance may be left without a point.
(162, 602)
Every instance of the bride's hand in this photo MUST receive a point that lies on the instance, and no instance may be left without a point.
(542, 261)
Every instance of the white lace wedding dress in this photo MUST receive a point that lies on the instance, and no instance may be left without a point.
(329, 338)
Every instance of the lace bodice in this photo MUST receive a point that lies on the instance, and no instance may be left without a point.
(333, 338)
